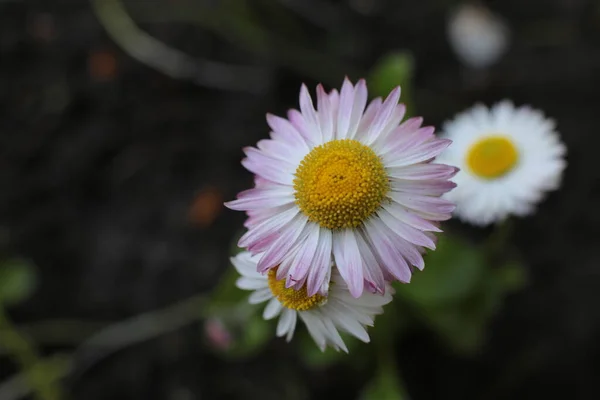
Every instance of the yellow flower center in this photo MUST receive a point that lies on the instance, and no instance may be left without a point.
(293, 299)
(340, 184)
(492, 157)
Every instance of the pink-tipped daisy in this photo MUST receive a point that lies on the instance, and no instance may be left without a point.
(345, 184)
(325, 315)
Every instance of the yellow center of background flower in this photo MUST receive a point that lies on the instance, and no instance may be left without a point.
(492, 157)
(340, 184)
(293, 299)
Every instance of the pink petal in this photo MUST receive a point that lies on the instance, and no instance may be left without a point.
(348, 261)
(408, 218)
(261, 198)
(425, 188)
(405, 231)
(367, 119)
(283, 130)
(395, 119)
(386, 251)
(373, 274)
(423, 152)
(321, 264)
(288, 261)
(423, 172)
(309, 113)
(325, 114)
(304, 258)
(312, 137)
(383, 115)
(281, 151)
(433, 208)
(358, 107)
(269, 168)
(268, 227)
(345, 109)
(398, 143)
(280, 247)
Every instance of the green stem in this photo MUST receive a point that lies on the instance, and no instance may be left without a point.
(25, 356)
(387, 367)
(498, 239)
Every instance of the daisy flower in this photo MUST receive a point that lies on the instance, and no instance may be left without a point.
(345, 184)
(324, 315)
(478, 37)
(509, 158)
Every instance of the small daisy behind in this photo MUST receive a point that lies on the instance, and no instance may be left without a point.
(324, 315)
(509, 158)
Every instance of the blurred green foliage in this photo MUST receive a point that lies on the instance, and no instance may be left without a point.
(18, 281)
(394, 69)
(385, 385)
(459, 291)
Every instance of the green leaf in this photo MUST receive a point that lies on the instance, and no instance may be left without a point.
(18, 280)
(462, 328)
(452, 272)
(386, 385)
(394, 69)
(463, 325)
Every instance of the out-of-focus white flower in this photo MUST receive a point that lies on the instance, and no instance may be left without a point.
(509, 158)
(324, 315)
(477, 36)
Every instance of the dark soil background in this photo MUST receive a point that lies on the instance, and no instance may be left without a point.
(112, 177)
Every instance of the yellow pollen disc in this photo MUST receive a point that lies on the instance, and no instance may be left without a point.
(340, 184)
(492, 157)
(293, 299)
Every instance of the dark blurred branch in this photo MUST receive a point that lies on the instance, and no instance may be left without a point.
(56, 368)
(152, 52)
(235, 21)
(94, 349)
(137, 329)
(317, 12)
(59, 332)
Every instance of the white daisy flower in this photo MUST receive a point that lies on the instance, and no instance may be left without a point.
(508, 158)
(347, 184)
(324, 315)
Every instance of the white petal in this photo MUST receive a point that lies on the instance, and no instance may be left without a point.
(349, 324)
(286, 322)
(292, 327)
(272, 309)
(250, 283)
(260, 296)
(316, 328)
(245, 264)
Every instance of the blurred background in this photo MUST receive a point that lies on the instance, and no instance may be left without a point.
(121, 128)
